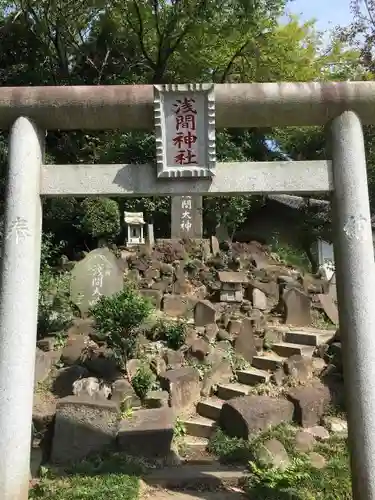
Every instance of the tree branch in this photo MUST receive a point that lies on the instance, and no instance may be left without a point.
(140, 34)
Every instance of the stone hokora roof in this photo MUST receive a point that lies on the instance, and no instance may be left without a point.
(232, 277)
(134, 218)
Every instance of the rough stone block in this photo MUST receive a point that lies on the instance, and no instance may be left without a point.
(147, 433)
(183, 386)
(246, 415)
(204, 313)
(44, 362)
(178, 306)
(245, 342)
(310, 403)
(83, 426)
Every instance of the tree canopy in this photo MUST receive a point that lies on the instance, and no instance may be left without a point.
(97, 42)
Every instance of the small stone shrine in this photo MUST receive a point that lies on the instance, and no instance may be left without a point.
(135, 223)
(232, 285)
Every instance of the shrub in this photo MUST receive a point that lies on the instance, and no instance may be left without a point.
(117, 317)
(173, 332)
(55, 309)
(143, 381)
(101, 218)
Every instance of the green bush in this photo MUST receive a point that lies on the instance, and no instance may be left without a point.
(55, 309)
(173, 332)
(101, 218)
(117, 317)
(143, 381)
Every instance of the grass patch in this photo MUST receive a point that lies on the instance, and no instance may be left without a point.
(228, 449)
(110, 477)
(236, 450)
(300, 481)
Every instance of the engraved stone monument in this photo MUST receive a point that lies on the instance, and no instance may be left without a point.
(186, 217)
(96, 275)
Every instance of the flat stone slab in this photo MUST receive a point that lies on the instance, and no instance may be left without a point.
(147, 433)
(211, 475)
(159, 494)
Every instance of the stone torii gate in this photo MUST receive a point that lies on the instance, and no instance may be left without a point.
(31, 111)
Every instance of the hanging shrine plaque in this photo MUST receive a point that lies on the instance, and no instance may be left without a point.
(185, 130)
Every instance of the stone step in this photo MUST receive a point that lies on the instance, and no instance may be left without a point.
(252, 376)
(267, 362)
(308, 338)
(232, 390)
(194, 443)
(208, 476)
(210, 408)
(286, 349)
(199, 426)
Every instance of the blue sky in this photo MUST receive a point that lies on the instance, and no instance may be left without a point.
(328, 13)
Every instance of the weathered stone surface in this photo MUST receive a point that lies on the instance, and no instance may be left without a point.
(244, 416)
(319, 432)
(215, 247)
(305, 441)
(272, 454)
(147, 433)
(173, 359)
(234, 327)
(178, 306)
(204, 313)
(44, 362)
(74, 348)
(211, 331)
(199, 349)
(220, 372)
(183, 386)
(123, 392)
(336, 425)
(300, 368)
(158, 365)
(44, 409)
(132, 366)
(297, 307)
(157, 399)
(82, 426)
(310, 403)
(46, 344)
(245, 342)
(96, 275)
(154, 296)
(330, 307)
(317, 461)
(259, 299)
(65, 378)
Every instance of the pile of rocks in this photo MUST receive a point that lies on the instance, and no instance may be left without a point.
(92, 404)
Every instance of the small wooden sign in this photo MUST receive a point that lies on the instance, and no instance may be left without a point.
(185, 130)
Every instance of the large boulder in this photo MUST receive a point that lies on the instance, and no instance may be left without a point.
(310, 403)
(147, 433)
(183, 386)
(246, 415)
(83, 425)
